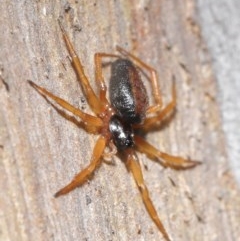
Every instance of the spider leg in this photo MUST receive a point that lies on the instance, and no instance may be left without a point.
(81, 177)
(134, 166)
(154, 121)
(153, 79)
(92, 99)
(99, 76)
(165, 159)
(92, 122)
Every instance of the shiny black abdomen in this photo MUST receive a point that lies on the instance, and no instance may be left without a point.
(127, 92)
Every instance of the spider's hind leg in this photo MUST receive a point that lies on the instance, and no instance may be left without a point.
(99, 76)
(92, 99)
(155, 121)
(153, 79)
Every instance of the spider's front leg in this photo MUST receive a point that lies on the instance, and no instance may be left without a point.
(81, 177)
(165, 159)
(134, 166)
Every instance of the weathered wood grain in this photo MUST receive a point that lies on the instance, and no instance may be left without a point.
(40, 151)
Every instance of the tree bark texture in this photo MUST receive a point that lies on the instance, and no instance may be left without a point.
(40, 151)
(220, 22)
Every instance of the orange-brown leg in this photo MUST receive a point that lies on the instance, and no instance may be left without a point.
(134, 166)
(91, 96)
(92, 122)
(81, 177)
(153, 79)
(154, 121)
(99, 76)
(164, 158)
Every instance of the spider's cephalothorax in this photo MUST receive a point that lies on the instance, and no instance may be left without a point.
(116, 121)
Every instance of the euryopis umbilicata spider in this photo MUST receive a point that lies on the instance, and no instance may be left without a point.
(117, 120)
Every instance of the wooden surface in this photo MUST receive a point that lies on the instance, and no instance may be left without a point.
(221, 23)
(40, 151)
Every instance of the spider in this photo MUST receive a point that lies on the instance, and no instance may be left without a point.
(117, 121)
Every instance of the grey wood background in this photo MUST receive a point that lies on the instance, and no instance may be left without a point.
(40, 151)
(220, 21)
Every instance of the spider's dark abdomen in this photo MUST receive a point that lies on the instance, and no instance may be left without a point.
(127, 93)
